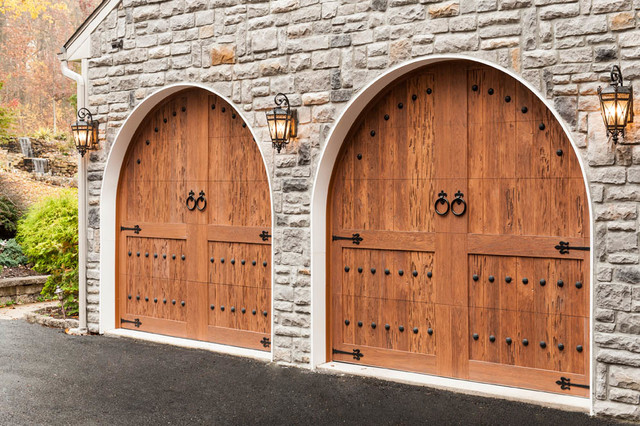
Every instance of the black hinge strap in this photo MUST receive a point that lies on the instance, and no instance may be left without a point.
(266, 342)
(565, 384)
(135, 322)
(563, 247)
(356, 353)
(264, 235)
(355, 238)
(135, 229)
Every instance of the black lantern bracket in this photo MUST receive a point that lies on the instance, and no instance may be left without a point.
(616, 104)
(85, 131)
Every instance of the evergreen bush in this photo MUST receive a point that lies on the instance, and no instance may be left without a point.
(11, 254)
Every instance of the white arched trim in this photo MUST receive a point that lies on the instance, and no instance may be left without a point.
(319, 204)
(108, 198)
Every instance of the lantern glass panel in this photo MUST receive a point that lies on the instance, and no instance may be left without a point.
(279, 125)
(615, 108)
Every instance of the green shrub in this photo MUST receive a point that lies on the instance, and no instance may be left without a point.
(11, 254)
(48, 234)
(9, 215)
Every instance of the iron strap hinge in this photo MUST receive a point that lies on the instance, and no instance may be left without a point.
(563, 247)
(135, 229)
(264, 235)
(355, 353)
(355, 238)
(266, 342)
(565, 384)
(135, 322)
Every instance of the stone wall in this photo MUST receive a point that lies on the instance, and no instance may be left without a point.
(320, 53)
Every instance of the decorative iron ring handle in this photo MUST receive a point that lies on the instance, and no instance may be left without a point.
(442, 199)
(191, 198)
(201, 198)
(459, 200)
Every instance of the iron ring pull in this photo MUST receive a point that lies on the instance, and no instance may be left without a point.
(201, 198)
(456, 201)
(191, 199)
(442, 199)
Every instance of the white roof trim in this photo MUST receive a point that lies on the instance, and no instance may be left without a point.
(79, 46)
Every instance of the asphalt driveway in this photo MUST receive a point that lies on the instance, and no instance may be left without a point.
(48, 377)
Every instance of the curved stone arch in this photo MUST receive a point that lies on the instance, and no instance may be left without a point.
(109, 192)
(320, 198)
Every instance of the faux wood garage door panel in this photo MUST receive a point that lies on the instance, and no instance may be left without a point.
(194, 183)
(462, 172)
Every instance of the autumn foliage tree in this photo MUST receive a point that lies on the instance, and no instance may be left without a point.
(32, 33)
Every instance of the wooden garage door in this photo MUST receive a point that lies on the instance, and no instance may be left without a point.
(194, 251)
(453, 202)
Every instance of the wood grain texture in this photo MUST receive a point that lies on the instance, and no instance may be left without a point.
(494, 271)
(194, 141)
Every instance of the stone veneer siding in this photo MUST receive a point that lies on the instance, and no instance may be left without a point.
(320, 53)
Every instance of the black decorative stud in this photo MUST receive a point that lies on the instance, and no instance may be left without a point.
(415, 273)
(543, 344)
(508, 340)
(491, 278)
(138, 254)
(165, 120)
(429, 274)
(147, 141)
(164, 301)
(579, 348)
(347, 322)
(244, 125)
(543, 282)
(222, 308)
(560, 346)
(559, 153)
(400, 105)
(359, 156)
(253, 262)
(264, 263)
(429, 91)
(429, 331)
(414, 97)
(400, 272)
(164, 255)
(401, 328)
(541, 126)
(253, 312)
(524, 109)
(129, 297)
(212, 307)
(347, 269)
(372, 133)
(490, 91)
(155, 300)
(474, 87)
(578, 284)
(138, 161)
(233, 309)
(213, 106)
(475, 277)
(475, 335)
(386, 117)
(387, 272)
(359, 323)
(224, 109)
(184, 109)
(373, 270)
(173, 256)
(560, 283)
(387, 326)
(222, 260)
(129, 253)
(242, 262)
(360, 269)
(155, 129)
(507, 99)
(525, 281)
(507, 279)
(146, 299)
(174, 113)
(233, 116)
(173, 302)
(138, 297)
(183, 257)
(525, 342)
(211, 260)
(146, 254)
(182, 303)
(264, 313)
(492, 338)
(233, 261)
(415, 330)
(155, 255)
(373, 325)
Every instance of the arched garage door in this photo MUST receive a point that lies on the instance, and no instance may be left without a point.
(194, 217)
(452, 204)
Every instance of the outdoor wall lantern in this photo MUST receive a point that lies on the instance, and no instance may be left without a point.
(282, 123)
(616, 104)
(85, 131)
